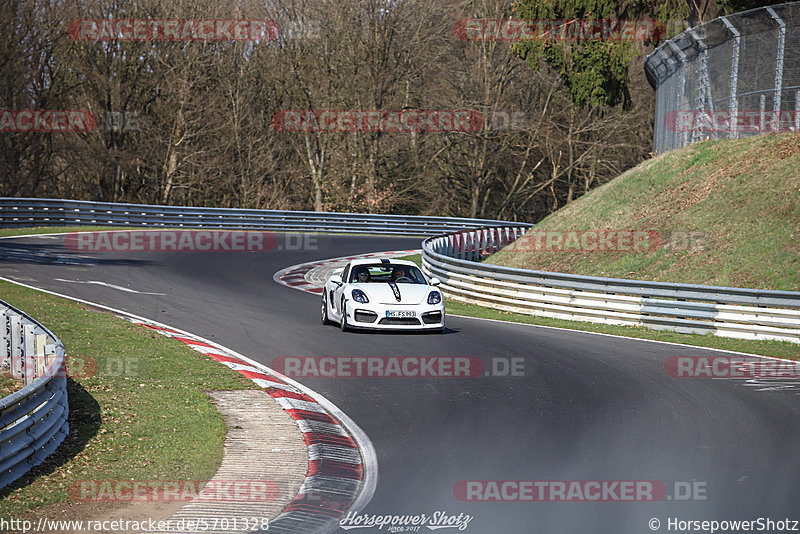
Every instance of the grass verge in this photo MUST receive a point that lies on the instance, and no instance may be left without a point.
(138, 408)
(776, 349)
(9, 385)
(10, 232)
(722, 213)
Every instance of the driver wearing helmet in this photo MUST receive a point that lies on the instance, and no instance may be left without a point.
(398, 273)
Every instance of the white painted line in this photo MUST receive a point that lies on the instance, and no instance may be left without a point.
(45, 236)
(698, 347)
(106, 284)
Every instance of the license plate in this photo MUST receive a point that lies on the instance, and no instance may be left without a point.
(399, 313)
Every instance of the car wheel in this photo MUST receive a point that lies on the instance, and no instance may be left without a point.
(343, 321)
(324, 311)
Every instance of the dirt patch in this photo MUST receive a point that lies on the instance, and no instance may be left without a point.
(715, 180)
(789, 147)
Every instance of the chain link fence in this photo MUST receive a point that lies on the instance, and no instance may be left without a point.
(732, 77)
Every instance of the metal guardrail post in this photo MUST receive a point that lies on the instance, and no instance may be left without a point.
(797, 111)
(28, 353)
(40, 341)
(473, 249)
(5, 341)
(703, 89)
(776, 104)
(733, 101)
(15, 323)
(682, 83)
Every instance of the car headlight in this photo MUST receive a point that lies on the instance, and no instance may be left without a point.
(360, 296)
(434, 297)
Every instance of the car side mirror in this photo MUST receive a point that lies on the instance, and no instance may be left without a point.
(435, 281)
(337, 279)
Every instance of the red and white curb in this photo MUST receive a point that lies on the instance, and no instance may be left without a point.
(335, 467)
(342, 468)
(305, 276)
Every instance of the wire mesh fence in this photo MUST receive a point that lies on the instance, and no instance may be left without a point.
(732, 77)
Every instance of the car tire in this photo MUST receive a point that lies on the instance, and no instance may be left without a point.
(324, 311)
(343, 320)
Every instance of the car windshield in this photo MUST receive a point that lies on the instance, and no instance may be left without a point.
(382, 273)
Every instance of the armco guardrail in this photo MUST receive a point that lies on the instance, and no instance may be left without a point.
(33, 420)
(724, 311)
(21, 212)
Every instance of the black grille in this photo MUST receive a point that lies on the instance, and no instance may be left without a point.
(400, 320)
(365, 316)
(432, 317)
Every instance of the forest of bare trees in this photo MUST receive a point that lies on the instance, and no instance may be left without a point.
(191, 122)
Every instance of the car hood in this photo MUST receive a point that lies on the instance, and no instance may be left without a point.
(384, 294)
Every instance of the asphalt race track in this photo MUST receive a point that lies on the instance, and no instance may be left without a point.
(588, 407)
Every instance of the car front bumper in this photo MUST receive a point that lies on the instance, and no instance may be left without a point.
(373, 316)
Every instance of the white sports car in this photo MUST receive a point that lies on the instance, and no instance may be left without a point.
(382, 294)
